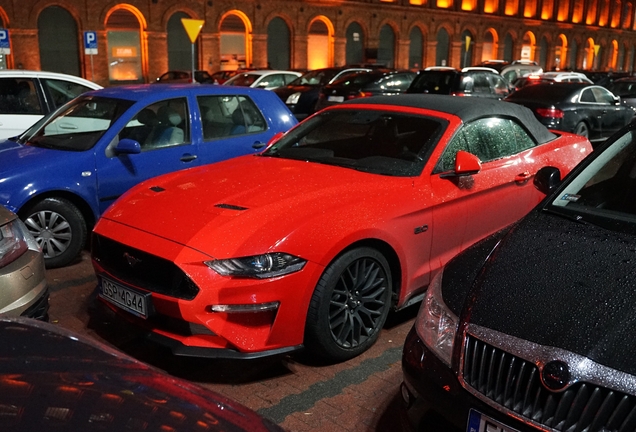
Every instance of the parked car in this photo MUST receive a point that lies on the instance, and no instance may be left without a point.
(265, 79)
(61, 174)
(584, 109)
(219, 77)
(312, 242)
(519, 69)
(476, 82)
(26, 96)
(24, 290)
(301, 95)
(566, 77)
(182, 76)
(626, 89)
(532, 329)
(52, 379)
(377, 82)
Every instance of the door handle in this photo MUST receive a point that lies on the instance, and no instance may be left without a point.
(522, 177)
(188, 158)
(258, 145)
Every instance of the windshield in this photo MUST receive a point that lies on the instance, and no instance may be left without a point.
(76, 126)
(374, 141)
(604, 193)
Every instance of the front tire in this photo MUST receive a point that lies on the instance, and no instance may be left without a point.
(349, 306)
(59, 228)
(582, 129)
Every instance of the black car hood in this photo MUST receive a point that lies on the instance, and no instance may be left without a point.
(563, 284)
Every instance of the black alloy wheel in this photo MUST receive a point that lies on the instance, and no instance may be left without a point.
(349, 306)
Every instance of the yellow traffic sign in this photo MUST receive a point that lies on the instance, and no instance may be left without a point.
(192, 27)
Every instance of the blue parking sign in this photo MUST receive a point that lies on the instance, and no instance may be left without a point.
(5, 42)
(90, 42)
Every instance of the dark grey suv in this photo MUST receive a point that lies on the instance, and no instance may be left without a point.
(470, 81)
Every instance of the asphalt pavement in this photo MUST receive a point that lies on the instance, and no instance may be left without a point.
(295, 391)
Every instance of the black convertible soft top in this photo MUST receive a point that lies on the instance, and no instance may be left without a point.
(467, 109)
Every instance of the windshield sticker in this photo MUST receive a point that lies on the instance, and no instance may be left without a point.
(571, 197)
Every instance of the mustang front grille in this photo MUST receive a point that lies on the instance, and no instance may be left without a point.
(514, 384)
(142, 269)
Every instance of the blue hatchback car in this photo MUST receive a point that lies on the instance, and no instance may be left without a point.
(62, 173)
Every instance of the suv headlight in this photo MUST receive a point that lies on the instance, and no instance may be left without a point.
(14, 241)
(293, 99)
(258, 266)
(436, 325)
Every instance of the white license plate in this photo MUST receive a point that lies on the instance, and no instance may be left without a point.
(478, 422)
(125, 298)
(335, 98)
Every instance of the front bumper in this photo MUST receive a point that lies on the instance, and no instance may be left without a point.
(432, 389)
(189, 326)
(23, 287)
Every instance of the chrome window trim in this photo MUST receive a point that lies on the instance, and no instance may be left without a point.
(582, 369)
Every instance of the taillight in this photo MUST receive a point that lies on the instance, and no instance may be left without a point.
(359, 95)
(549, 112)
(458, 94)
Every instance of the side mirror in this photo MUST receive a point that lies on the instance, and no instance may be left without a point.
(547, 179)
(466, 163)
(127, 146)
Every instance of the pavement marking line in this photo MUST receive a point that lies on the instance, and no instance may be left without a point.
(304, 401)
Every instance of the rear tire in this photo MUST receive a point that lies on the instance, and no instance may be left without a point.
(59, 228)
(349, 305)
(582, 129)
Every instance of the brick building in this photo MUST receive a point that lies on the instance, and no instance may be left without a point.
(139, 40)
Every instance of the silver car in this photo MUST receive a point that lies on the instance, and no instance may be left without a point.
(23, 287)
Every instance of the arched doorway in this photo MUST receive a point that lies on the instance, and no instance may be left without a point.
(574, 51)
(543, 53)
(416, 48)
(508, 51)
(528, 46)
(443, 48)
(468, 41)
(319, 50)
(613, 60)
(354, 48)
(278, 44)
(123, 38)
(386, 48)
(57, 40)
(590, 55)
(489, 47)
(179, 45)
(235, 46)
(560, 52)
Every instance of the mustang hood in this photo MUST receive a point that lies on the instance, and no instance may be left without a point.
(563, 284)
(252, 203)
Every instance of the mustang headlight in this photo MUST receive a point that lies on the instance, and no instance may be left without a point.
(293, 99)
(435, 322)
(258, 266)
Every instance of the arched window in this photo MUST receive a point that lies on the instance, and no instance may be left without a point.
(528, 46)
(319, 50)
(489, 47)
(443, 48)
(386, 48)
(416, 48)
(179, 45)
(123, 34)
(574, 50)
(278, 44)
(58, 41)
(235, 53)
(468, 41)
(354, 49)
(543, 53)
(508, 47)
(561, 52)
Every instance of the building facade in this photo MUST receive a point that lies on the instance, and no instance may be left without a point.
(139, 40)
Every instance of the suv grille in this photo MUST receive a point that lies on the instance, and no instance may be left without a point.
(514, 383)
(149, 271)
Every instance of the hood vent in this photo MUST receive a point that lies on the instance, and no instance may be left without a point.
(230, 207)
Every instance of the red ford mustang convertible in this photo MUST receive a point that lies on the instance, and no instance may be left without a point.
(312, 242)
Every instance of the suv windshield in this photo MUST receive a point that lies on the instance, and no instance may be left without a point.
(604, 193)
(76, 126)
(373, 141)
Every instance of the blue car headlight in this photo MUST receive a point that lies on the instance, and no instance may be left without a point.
(258, 266)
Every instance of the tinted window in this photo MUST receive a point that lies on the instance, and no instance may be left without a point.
(19, 96)
(224, 116)
(543, 92)
(439, 82)
(63, 91)
(603, 96)
(368, 140)
(481, 84)
(587, 96)
(162, 124)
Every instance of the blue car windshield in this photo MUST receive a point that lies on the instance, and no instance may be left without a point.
(374, 141)
(78, 125)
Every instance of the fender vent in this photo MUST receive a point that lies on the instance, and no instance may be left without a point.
(230, 207)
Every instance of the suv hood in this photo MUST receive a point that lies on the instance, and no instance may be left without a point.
(255, 203)
(559, 283)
